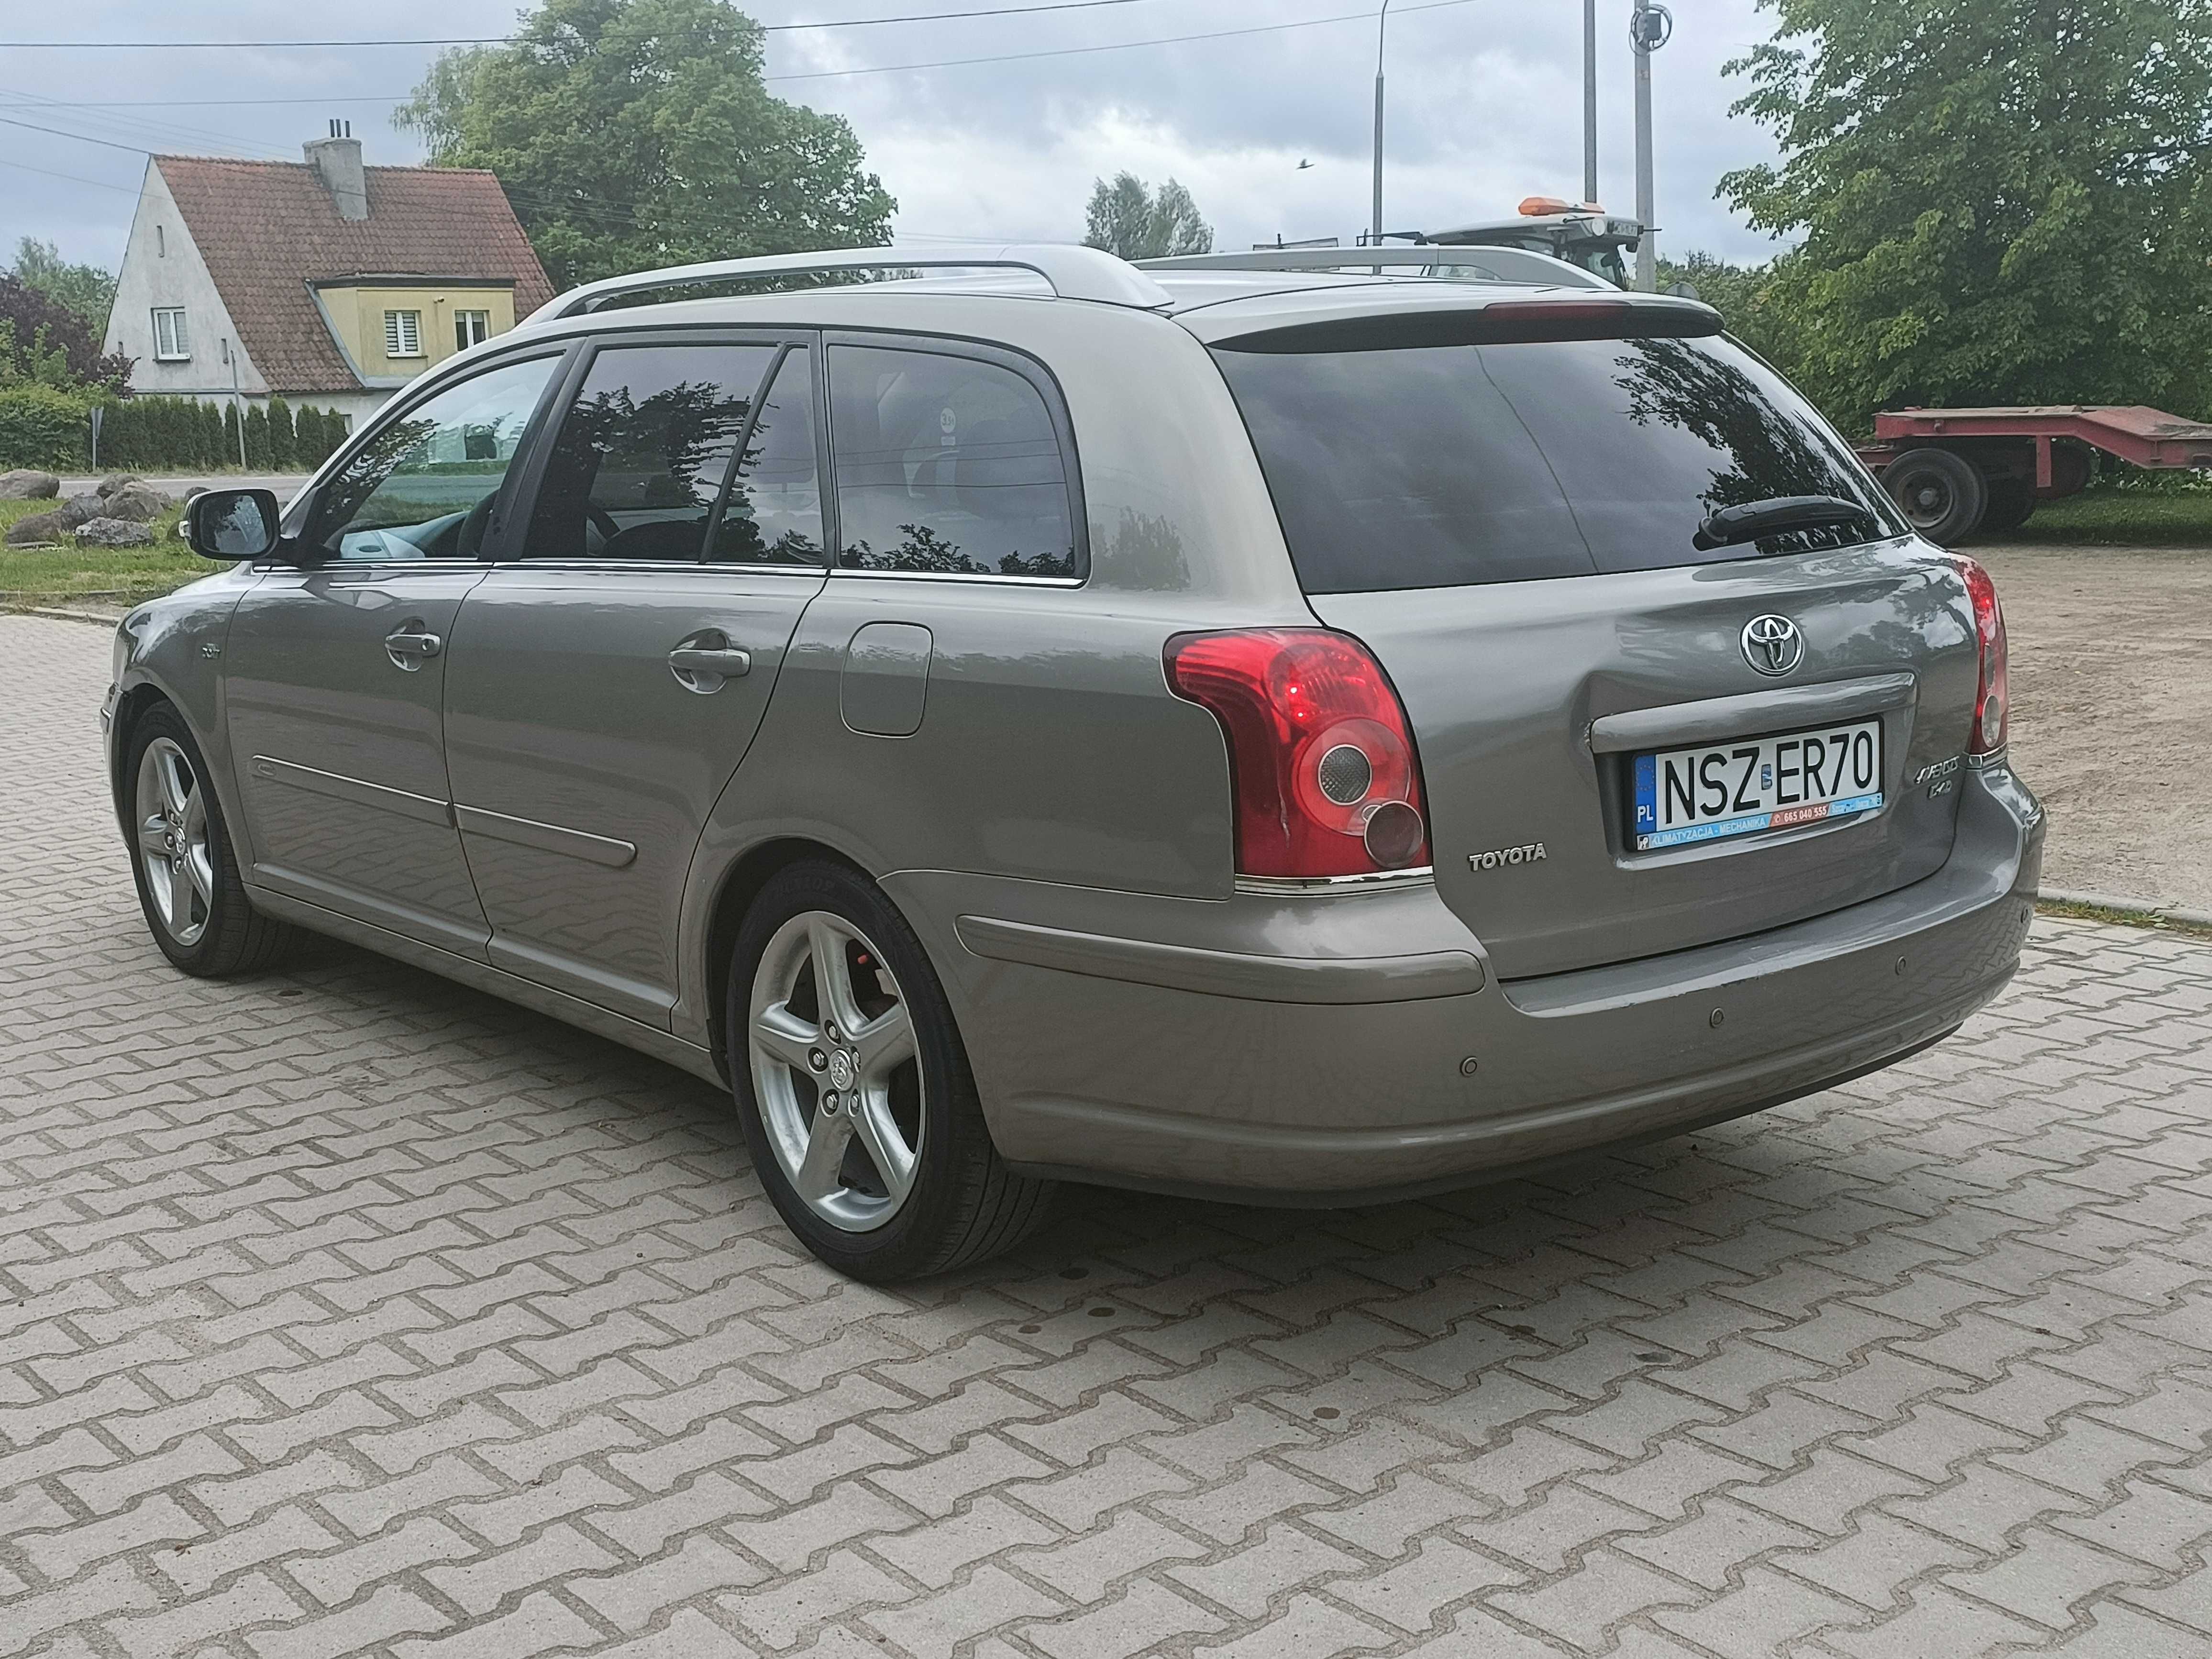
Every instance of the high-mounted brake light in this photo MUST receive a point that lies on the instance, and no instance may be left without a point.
(1993, 689)
(1325, 781)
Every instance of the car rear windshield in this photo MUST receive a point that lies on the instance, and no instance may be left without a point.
(1441, 466)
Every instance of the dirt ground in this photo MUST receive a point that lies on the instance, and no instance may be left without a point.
(2111, 680)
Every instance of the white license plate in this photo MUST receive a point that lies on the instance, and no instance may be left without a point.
(1685, 795)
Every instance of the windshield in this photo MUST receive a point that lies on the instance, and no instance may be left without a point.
(1444, 466)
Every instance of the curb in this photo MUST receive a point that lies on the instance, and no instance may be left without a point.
(53, 614)
(2144, 910)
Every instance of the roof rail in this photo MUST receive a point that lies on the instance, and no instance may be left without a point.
(1502, 264)
(1073, 272)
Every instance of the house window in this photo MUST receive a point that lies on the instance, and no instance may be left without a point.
(402, 333)
(470, 328)
(171, 344)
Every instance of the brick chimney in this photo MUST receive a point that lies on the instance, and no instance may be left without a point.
(338, 159)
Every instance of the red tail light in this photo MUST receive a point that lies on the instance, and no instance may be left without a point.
(1326, 781)
(1993, 693)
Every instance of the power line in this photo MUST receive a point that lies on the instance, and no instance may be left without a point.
(1117, 45)
(502, 39)
(75, 179)
(811, 74)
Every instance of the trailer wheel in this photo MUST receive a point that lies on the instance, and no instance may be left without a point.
(1941, 493)
(2011, 502)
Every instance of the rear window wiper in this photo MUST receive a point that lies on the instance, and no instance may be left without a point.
(1775, 516)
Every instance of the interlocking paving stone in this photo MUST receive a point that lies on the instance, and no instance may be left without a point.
(344, 1311)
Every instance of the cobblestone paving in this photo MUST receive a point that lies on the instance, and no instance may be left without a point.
(348, 1312)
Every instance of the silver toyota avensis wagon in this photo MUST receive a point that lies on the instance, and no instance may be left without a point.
(1301, 737)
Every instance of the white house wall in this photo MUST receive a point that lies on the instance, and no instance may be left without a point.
(162, 267)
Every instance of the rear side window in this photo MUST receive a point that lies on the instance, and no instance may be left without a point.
(773, 514)
(643, 452)
(1444, 466)
(945, 464)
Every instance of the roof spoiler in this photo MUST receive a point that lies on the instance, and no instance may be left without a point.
(1072, 273)
(1620, 317)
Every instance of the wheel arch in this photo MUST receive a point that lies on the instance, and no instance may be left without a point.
(734, 893)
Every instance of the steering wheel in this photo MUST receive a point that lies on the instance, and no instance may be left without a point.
(468, 534)
(603, 521)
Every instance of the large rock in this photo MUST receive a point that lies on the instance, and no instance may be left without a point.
(25, 485)
(38, 527)
(77, 509)
(138, 502)
(115, 481)
(114, 533)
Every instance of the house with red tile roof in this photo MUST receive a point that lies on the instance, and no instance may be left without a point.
(322, 281)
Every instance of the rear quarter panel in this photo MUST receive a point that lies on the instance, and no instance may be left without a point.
(1051, 748)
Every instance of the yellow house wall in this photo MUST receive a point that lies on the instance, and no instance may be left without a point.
(358, 315)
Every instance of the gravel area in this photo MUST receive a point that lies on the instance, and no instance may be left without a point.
(2112, 670)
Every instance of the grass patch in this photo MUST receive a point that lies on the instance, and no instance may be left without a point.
(2157, 924)
(2108, 517)
(118, 575)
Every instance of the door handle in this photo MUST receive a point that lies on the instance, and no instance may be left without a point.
(729, 662)
(706, 661)
(412, 646)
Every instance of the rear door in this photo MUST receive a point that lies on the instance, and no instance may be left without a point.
(1510, 527)
(606, 679)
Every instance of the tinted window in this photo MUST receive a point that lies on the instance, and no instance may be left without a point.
(421, 487)
(1446, 466)
(643, 452)
(774, 513)
(946, 463)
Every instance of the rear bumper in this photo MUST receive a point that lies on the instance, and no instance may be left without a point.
(1318, 1051)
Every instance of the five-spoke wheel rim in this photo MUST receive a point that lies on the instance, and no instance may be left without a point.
(832, 1052)
(173, 841)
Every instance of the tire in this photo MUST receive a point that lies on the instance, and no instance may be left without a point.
(181, 858)
(2012, 501)
(866, 1131)
(1941, 492)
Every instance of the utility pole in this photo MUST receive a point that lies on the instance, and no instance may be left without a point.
(1590, 101)
(1375, 224)
(1649, 26)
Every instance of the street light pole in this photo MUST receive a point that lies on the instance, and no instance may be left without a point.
(1590, 101)
(1375, 224)
(1650, 27)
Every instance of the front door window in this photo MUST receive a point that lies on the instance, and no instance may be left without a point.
(423, 486)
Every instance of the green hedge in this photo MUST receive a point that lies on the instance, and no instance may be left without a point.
(41, 426)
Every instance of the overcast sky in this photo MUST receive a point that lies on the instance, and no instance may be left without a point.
(1484, 106)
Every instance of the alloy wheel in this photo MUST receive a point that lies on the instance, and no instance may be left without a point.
(173, 849)
(832, 1047)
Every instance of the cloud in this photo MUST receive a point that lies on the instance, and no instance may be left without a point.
(1483, 106)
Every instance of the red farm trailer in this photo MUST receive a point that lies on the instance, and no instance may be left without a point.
(1955, 471)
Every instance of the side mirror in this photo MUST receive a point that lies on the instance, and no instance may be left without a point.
(231, 524)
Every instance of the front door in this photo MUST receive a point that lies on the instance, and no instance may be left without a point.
(607, 679)
(336, 667)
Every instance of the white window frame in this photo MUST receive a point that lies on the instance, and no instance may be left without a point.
(403, 334)
(176, 348)
(478, 326)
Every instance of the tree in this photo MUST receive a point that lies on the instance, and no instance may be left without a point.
(636, 133)
(1128, 218)
(43, 341)
(284, 435)
(86, 292)
(2001, 201)
(1745, 296)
